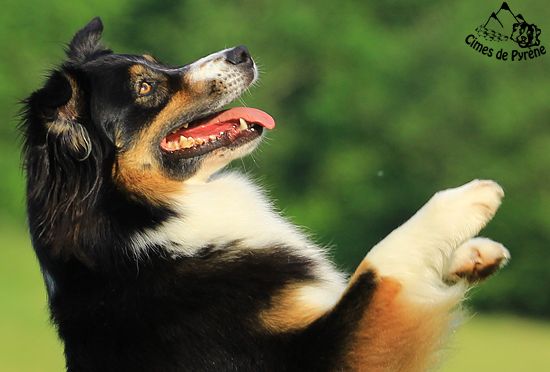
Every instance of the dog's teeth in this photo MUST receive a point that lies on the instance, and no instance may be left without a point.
(222, 133)
(199, 141)
(183, 142)
(212, 137)
(185, 125)
(190, 142)
(243, 125)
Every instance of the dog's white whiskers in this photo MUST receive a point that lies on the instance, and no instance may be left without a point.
(254, 160)
(241, 100)
(244, 165)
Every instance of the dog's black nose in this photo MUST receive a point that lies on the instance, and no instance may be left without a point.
(238, 55)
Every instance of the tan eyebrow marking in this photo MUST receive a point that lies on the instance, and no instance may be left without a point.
(150, 58)
(137, 71)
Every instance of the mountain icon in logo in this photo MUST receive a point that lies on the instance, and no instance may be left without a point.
(504, 25)
(502, 20)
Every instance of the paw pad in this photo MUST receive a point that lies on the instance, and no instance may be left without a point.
(477, 259)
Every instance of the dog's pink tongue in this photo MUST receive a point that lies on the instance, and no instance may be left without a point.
(251, 115)
(225, 121)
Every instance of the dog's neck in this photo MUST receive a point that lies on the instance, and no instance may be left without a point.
(224, 209)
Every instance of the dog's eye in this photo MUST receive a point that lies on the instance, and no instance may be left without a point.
(145, 88)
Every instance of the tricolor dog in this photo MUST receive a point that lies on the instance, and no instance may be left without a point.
(156, 259)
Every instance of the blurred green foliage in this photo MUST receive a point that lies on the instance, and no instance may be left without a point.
(378, 105)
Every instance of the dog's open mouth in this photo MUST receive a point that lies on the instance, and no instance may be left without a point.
(227, 128)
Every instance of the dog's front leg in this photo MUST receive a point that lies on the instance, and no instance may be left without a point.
(399, 304)
(420, 276)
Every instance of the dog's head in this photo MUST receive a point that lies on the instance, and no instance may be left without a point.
(156, 125)
(107, 123)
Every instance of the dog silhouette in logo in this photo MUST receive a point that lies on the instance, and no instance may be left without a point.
(525, 34)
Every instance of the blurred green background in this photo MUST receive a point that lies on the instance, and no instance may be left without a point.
(377, 106)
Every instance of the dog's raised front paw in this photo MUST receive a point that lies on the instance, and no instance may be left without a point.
(476, 259)
(460, 213)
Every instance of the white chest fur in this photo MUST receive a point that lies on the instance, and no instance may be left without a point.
(228, 208)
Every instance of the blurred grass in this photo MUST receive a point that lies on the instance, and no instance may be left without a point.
(28, 342)
(500, 343)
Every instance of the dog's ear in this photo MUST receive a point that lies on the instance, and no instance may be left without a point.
(58, 106)
(85, 44)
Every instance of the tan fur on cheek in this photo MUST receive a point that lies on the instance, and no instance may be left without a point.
(137, 169)
(397, 335)
(143, 179)
(177, 106)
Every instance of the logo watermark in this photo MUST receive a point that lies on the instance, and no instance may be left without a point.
(507, 37)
